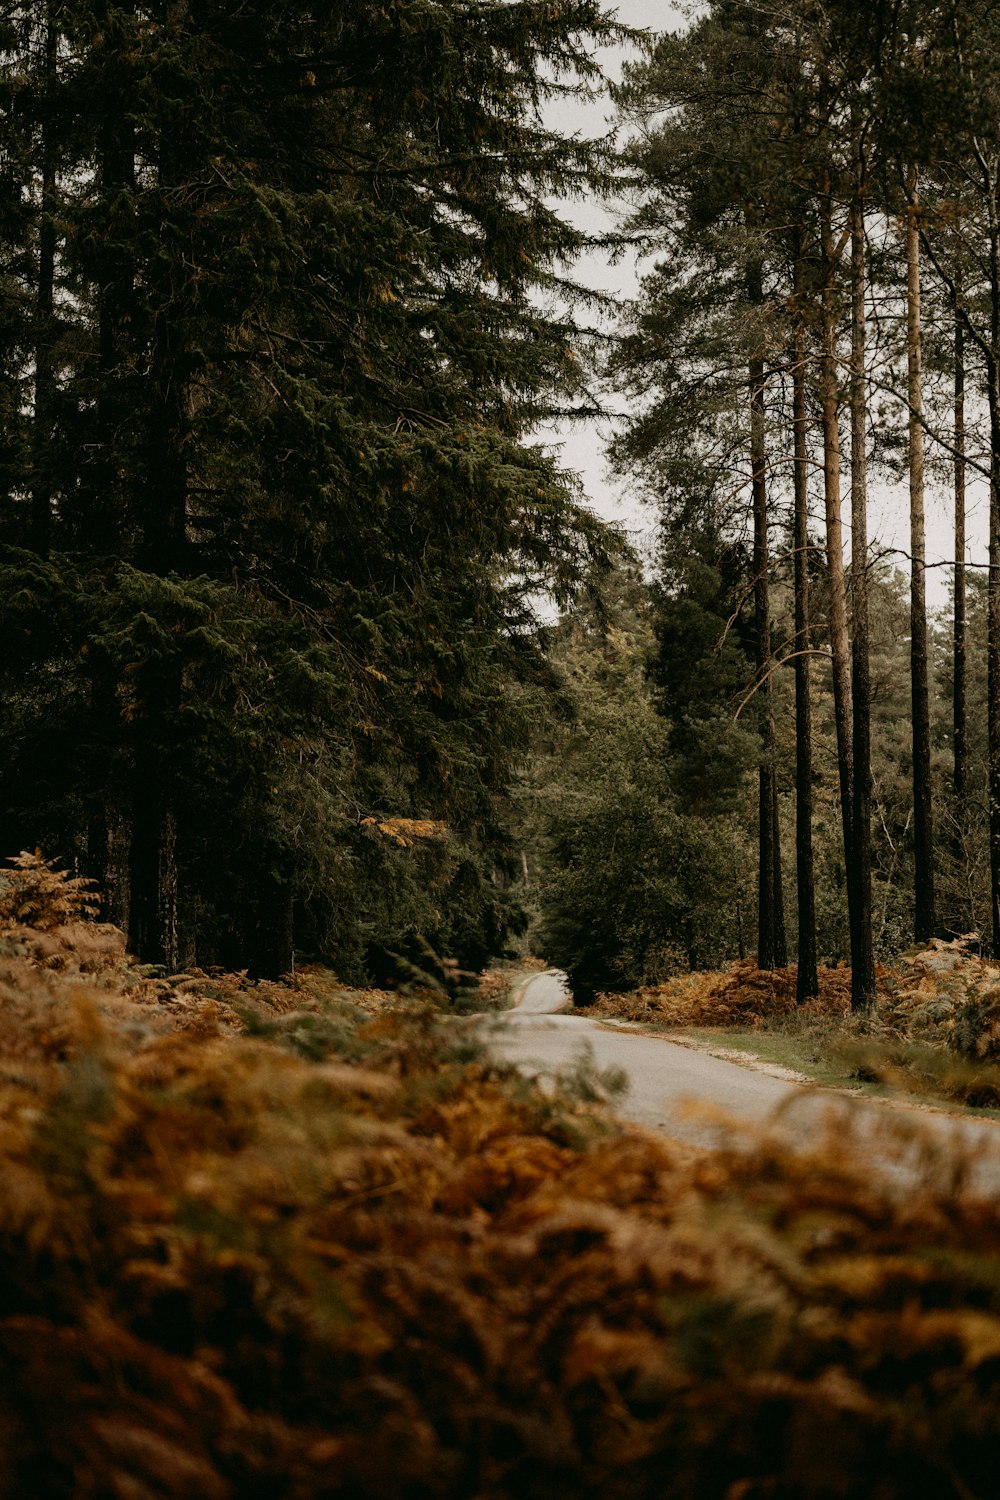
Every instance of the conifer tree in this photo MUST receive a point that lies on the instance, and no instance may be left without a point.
(707, 171)
(318, 299)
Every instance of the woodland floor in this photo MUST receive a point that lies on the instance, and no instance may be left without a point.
(306, 1242)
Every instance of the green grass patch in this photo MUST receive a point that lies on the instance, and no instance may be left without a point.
(837, 1054)
(807, 1048)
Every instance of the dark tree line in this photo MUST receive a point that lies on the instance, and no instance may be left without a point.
(282, 289)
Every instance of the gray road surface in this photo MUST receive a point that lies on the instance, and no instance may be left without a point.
(683, 1091)
(544, 994)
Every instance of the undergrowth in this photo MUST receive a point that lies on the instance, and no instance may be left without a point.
(742, 995)
(263, 1241)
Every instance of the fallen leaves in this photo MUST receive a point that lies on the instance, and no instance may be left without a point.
(315, 1246)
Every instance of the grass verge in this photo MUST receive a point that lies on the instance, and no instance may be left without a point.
(934, 1034)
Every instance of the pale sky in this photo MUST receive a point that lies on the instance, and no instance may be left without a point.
(582, 445)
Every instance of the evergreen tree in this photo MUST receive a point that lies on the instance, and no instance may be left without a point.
(318, 299)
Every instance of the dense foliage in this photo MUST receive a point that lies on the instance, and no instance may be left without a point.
(630, 877)
(285, 289)
(637, 809)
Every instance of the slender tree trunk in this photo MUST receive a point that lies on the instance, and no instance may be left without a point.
(270, 949)
(162, 524)
(993, 644)
(116, 309)
(993, 587)
(923, 813)
(837, 603)
(778, 897)
(769, 942)
(153, 857)
(807, 979)
(45, 319)
(164, 515)
(960, 729)
(115, 277)
(863, 992)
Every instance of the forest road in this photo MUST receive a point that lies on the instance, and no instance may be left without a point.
(683, 1092)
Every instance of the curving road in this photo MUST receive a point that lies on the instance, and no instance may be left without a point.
(543, 995)
(685, 1092)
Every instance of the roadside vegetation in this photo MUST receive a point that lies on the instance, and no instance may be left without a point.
(934, 1033)
(501, 985)
(307, 1241)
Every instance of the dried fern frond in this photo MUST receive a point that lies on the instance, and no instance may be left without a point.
(406, 831)
(37, 894)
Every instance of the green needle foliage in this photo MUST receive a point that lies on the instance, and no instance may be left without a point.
(270, 525)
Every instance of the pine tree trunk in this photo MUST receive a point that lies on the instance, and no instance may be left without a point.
(923, 812)
(164, 506)
(769, 943)
(837, 594)
(993, 632)
(115, 297)
(153, 855)
(45, 320)
(807, 980)
(993, 587)
(778, 897)
(960, 729)
(863, 992)
(271, 952)
(162, 516)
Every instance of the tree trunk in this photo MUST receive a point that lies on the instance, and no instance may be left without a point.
(993, 587)
(993, 643)
(153, 851)
(116, 312)
(923, 813)
(863, 992)
(778, 896)
(837, 603)
(960, 729)
(45, 319)
(162, 518)
(769, 942)
(807, 979)
(271, 952)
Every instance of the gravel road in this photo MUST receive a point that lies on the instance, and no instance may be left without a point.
(683, 1091)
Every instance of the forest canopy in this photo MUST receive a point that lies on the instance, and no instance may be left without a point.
(284, 291)
(288, 296)
(818, 188)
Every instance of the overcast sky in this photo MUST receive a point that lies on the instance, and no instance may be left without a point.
(582, 445)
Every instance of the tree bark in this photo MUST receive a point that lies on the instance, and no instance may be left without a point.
(271, 949)
(960, 728)
(153, 849)
(116, 311)
(923, 812)
(770, 938)
(162, 549)
(993, 646)
(837, 601)
(807, 977)
(993, 587)
(778, 896)
(863, 992)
